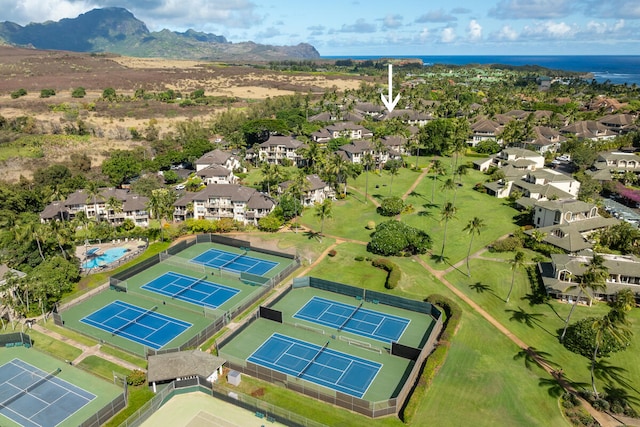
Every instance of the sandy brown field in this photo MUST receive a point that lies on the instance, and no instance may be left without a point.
(34, 70)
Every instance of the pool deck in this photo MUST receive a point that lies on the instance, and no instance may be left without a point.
(135, 247)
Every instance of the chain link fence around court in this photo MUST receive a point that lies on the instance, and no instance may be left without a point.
(370, 409)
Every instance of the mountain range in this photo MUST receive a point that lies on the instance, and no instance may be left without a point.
(117, 30)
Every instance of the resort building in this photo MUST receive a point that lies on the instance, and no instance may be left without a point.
(315, 190)
(280, 150)
(567, 224)
(217, 201)
(565, 271)
(111, 204)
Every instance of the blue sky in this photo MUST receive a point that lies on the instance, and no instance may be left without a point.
(376, 27)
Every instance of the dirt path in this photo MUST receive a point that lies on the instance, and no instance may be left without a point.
(418, 180)
(86, 350)
(604, 419)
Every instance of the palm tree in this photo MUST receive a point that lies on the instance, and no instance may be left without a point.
(438, 170)
(448, 212)
(592, 279)
(474, 227)
(448, 185)
(367, 162)
(612, 326)
(516, 263)
(337, 168)
(323, 211)
(161, 206)
(61, 234)
(394, 170)
(94, 193)
(113, 206)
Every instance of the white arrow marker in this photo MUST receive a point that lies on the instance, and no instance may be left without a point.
(387, 102)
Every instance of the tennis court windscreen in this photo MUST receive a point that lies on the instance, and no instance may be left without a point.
(270, 314)
(405, 351)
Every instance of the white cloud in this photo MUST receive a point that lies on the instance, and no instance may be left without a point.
(424, 35)
(392, 21)
(436, 16)
(506, 33)
(549, 30)
(474, 30)
(360, 26)
(448, 35)
(531, 9)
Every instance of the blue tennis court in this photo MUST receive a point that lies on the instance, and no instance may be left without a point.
(355, 319)
(190, 289)
(321, 365)
(134, 323)
(237, 263)
(32, 397)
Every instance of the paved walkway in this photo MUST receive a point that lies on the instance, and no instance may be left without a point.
(86, 350)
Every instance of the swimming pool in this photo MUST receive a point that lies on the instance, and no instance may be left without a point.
(109, 256)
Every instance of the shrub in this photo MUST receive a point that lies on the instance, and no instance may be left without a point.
(359, 258)
(47, 93)
(508, 244)
(332, 253)
(270, 223)
(394, 274)
(18, 93)
(136, 377)
(580, 339)
(396, 238)
(391, 206)
(78, 92)
(371, 225)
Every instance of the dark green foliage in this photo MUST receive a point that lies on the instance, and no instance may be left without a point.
(47, 93)
(621, 237)
(488, 146)
(78, 92)
(109, 94)
(18, 93)
(136, 377)
(508, 244)
(391, 206)
(394, 274)
(581, 339)
(171, 177)
(396, 238)
(52, 175)
(121, 166)
(270, 223)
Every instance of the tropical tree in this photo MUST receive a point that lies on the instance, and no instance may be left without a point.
(593, 279)
(113, 206)
(612, 326)
(438, 170)
(323, 211)
(393, 167)
(516, 263)
(367, 162)
(94, 195)
(473, 227)
(448, 185)
(447, 213)
(161, 206)
(61, 233)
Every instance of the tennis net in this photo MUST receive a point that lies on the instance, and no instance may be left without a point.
(350, 317)
(190, 286)
(312, 360)
(182, 263)
(223, 266)
(31, 387)
(134, 320)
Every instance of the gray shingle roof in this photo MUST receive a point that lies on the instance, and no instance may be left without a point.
(169, 366)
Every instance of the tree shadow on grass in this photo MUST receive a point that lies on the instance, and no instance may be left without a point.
(440, 259)
(310, 234)
(534, 357)
(416, 195)
(611, 374)
(529, 319)
(481, 288)
(620, 395)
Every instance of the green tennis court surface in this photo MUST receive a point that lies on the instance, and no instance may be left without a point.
(32, 397)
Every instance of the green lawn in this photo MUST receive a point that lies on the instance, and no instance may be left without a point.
(52, 346)
(538, 324)
(103, 368)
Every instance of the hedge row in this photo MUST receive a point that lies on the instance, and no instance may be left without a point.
(393, 276)
(437, 358)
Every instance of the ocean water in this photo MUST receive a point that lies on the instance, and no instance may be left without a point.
(617, 69)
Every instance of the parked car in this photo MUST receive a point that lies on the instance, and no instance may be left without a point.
(180, 187)
(564, 158)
